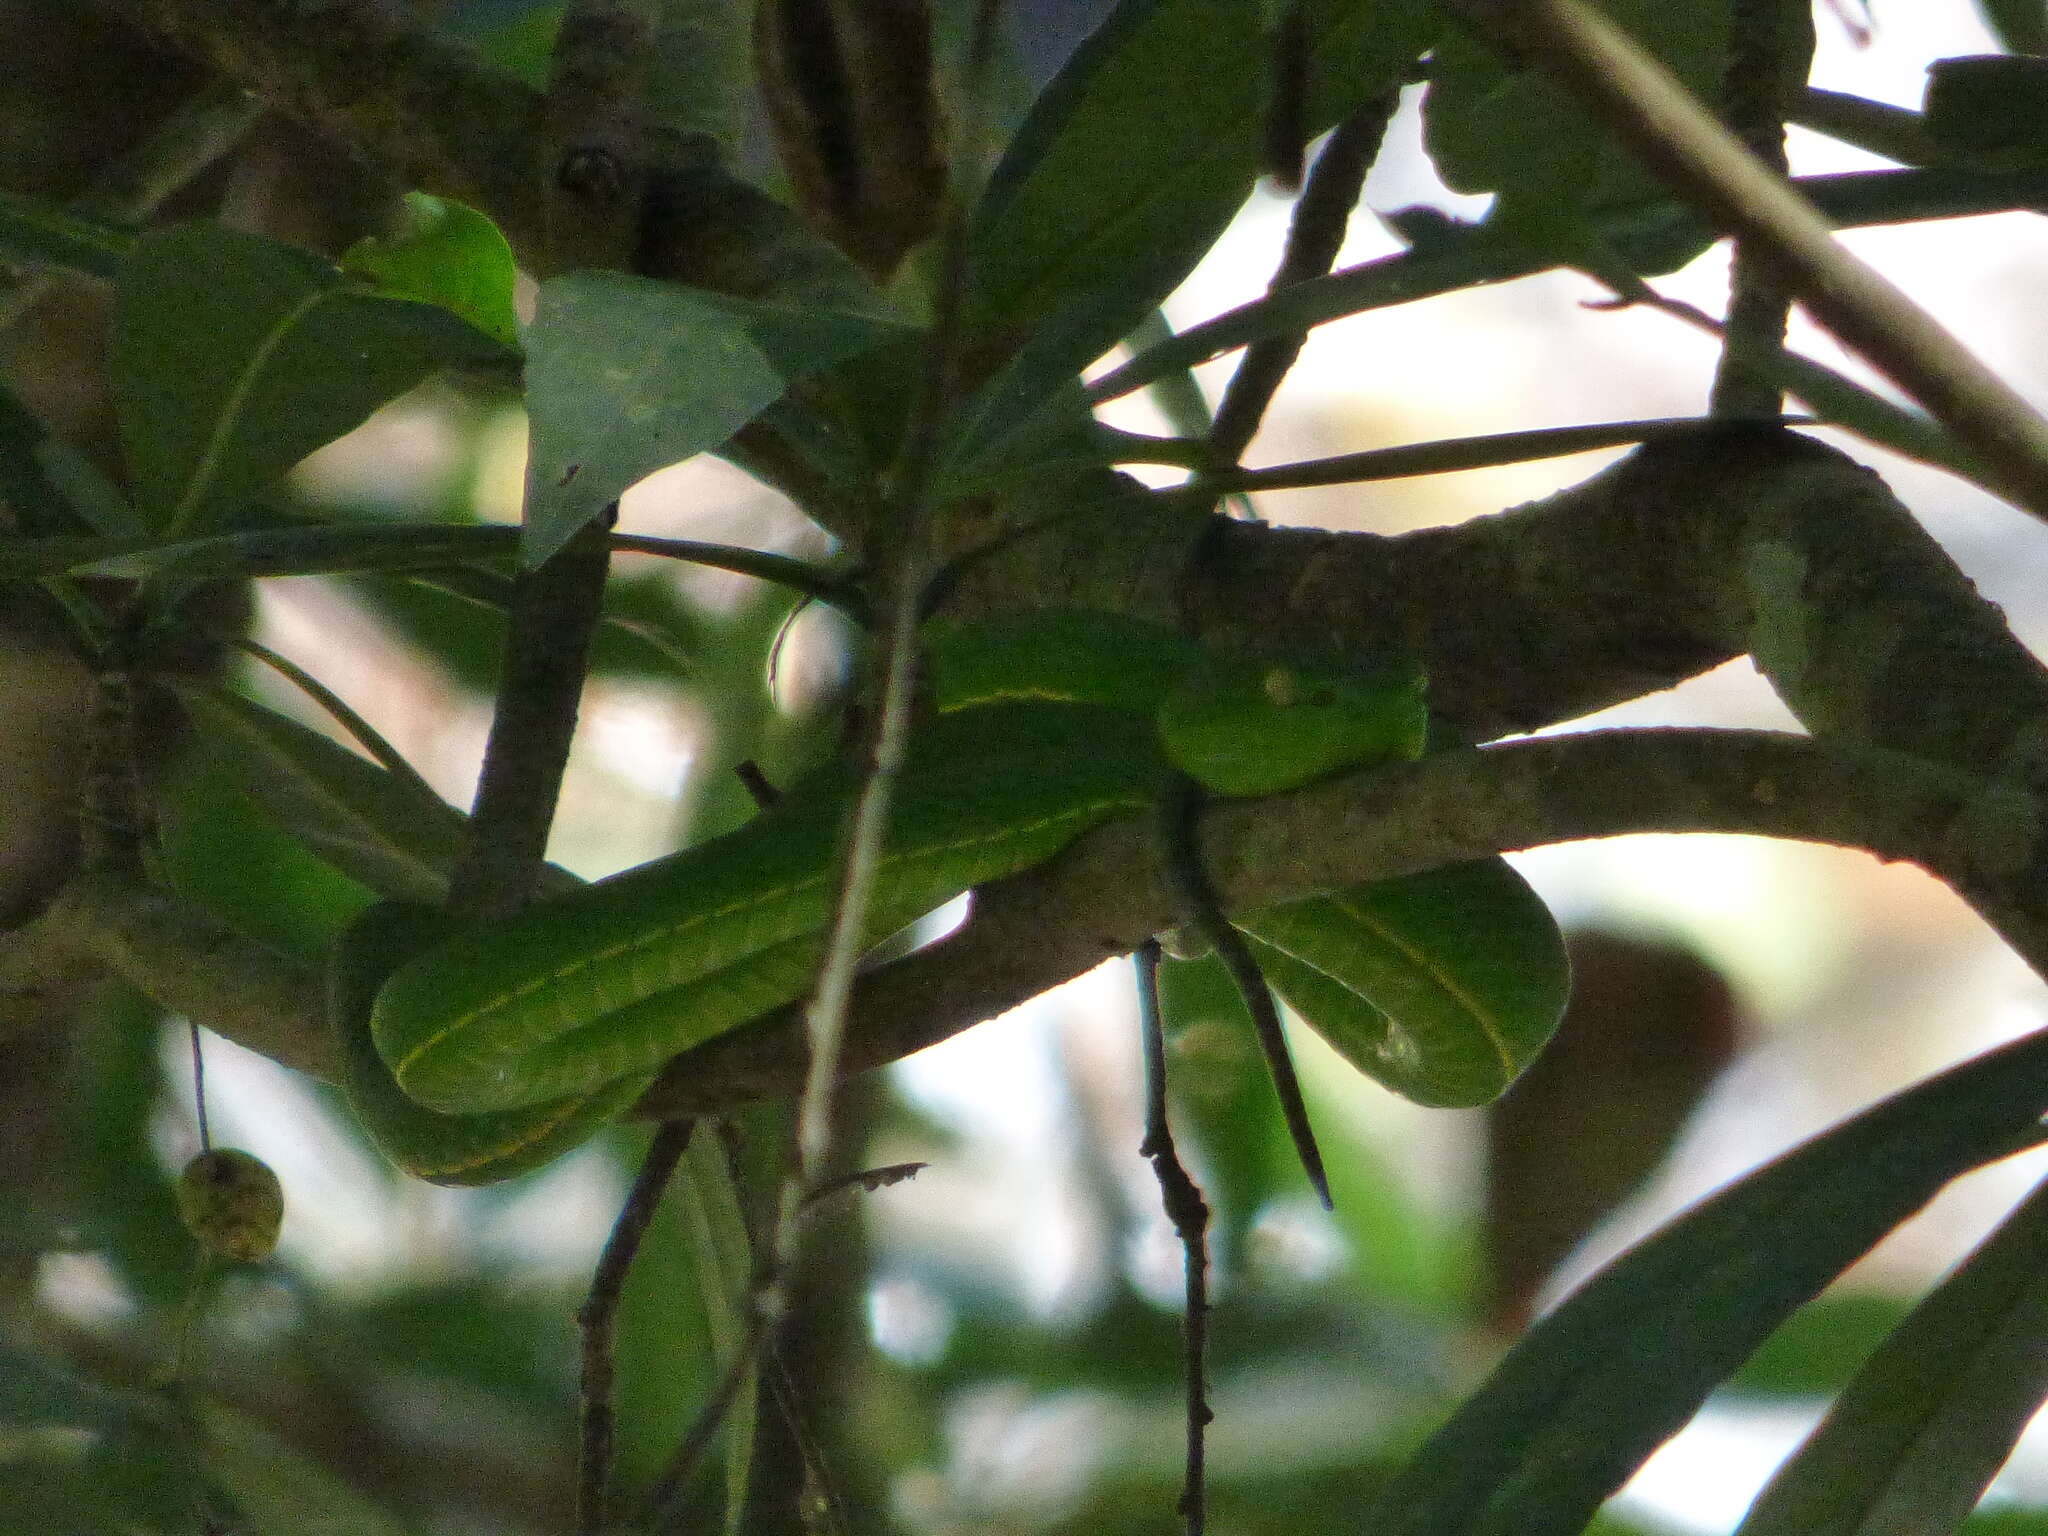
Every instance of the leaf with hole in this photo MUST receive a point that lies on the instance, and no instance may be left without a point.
(444, 253)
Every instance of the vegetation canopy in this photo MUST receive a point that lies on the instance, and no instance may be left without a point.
(889, 259)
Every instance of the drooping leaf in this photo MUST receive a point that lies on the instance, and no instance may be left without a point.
(48, 485)
(448, 254)
(1442, 986)
(234, 357)
(1837, 398)
(1507, 127)
(1598, 1385)
(2022, 25)
(625, 376)
(35, 231)
(1132, 163)
(1918, 1435)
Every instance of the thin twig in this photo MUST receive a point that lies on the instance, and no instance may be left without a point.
(1200, 909)
(759, 787)
(1314, 236)
(597, 1319)
(1657, 118)
(199, 1086)
(1461, 453)
(1189, 1213)
(825, 1017)
(1770, 49)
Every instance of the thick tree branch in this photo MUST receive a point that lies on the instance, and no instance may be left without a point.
(1105, 896)
(620, 190)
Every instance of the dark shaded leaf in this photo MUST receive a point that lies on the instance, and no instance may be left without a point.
(234, 357)
(1915, 1439)
(1597, 1386)
(626, 376)
(34, 231)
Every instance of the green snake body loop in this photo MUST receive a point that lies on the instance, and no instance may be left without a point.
(490, 1050)
(616, 978)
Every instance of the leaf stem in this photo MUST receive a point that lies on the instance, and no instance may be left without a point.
(1314, 236)
(1185, 1208)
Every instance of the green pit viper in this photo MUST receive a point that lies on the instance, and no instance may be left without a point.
(474, 1054)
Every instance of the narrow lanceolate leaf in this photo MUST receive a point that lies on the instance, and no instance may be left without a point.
(35, 232)
(625, 376)
(1587, 1395)
(395, 836)
(49, 486)
(1131, 164)
(1920, 1432)
(1442, 986)
(234, 357)
(278, 1488)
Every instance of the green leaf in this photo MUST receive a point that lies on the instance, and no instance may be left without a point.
(1818, 1348)
(682, 1314)
(48, 484)
(1132, 163)
(1508, 128)
(1991, 105)
(392, 835)
(1916, 1438)
(35, 232)
(234, 357)
(1597, 1386)
(626, 376)
(281, 1491)
(2021, 25)
(1443, 986)
(448, 254)
(1837, 398)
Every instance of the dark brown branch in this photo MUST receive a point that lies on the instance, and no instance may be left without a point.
(553, 617)
(1700, 161)
(1314, 237)
(1770, 49)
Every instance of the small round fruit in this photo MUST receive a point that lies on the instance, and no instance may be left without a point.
(232, 1203)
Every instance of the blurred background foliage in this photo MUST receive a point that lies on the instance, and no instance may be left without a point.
(992, 1346)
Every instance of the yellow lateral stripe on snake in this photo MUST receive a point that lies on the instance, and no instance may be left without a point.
(1083, 812)
(483, 1023)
